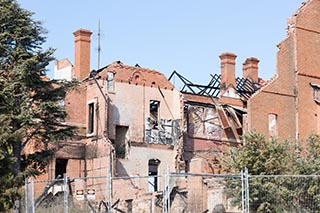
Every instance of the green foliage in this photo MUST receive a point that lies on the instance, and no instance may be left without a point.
(31, 113)
(310, 162)
(266, 161)
(260, 156)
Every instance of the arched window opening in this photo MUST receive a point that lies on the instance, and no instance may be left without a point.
(153, 174)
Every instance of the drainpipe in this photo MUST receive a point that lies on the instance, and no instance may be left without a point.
(85, 166)
(144, 113)
(296, 86)
(93, 74)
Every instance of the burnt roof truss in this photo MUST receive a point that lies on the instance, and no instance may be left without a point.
(186, 86)
(244, 86)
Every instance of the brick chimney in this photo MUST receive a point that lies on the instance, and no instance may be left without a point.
(82, 42)
(228, 63)
(250, 69)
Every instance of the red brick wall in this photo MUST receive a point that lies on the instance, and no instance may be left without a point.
(277, 97)
(308, 109)
(308, 66)
(298, 65)
(75, 104)
(263, 104)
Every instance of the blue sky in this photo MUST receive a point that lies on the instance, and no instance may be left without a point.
(187, 36)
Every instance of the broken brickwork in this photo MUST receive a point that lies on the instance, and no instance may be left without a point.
(214, 114)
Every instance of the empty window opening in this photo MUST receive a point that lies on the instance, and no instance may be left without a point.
(121, 141)
(153, 173)
(273, 126)
(91, 119)
(110, 81)
(154, 113)
(316, 92)
(129, 205)
(187, 168)
(61, 167)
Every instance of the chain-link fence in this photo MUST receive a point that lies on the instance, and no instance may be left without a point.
(200, 193)
(284, 193)
(90, 194)
(171, 192)
(175, 192)
(51, 196)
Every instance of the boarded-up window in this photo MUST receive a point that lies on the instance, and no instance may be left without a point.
(273, 128)
(91, 118)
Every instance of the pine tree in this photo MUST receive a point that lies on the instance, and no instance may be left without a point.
(31, 105)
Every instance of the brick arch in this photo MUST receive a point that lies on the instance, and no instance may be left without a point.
(137, 77)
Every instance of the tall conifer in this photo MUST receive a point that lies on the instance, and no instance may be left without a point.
(31, 105)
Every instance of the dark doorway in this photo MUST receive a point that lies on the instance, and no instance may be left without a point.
(61, 167)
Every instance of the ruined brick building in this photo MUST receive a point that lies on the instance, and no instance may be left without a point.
(136, 108)
(214, 113)
(133, 121)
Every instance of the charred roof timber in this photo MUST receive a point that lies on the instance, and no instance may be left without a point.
(244, 86)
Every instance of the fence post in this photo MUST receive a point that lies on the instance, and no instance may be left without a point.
(109, 206)
(168, 190)
(164, 193)
(26, 197)
(32, 195)
(247, 195)
(242, 192)
(65, 193)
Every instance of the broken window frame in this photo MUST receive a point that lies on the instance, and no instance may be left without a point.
(273, 127)
(91, 118)
(121, 147)
(198, 113)
(110, 81)
(316, 92)
(154, 111)
(153, 182)
(234, 118)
